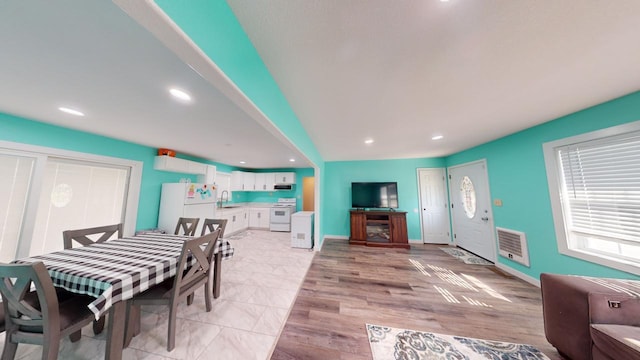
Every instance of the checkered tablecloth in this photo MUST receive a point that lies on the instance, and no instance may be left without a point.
(118, 269)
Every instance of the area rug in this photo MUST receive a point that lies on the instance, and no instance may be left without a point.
(465, 256)
(391, 343)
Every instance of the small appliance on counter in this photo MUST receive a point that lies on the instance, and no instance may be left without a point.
(280, 214)
(302, 230)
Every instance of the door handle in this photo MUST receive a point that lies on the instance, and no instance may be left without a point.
(485, 219)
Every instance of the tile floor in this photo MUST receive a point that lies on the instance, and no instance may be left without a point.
(259, 286)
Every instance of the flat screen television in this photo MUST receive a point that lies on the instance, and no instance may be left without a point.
(374, 195)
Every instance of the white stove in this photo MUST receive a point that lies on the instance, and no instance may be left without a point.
(280, 215)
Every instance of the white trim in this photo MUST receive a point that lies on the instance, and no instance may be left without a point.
(552, 166)
(417, 241)
(518, 274)
(41, 153)
(340, 237)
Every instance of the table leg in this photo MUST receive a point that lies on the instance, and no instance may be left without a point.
(217, 273)
(115, 338)
(133, 323)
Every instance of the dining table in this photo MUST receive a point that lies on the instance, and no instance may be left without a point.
(116, 270)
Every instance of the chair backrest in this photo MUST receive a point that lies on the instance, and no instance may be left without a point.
(195, 262)
(81, 235)
(188, 226)
(210, 225)
(37, 311)
(1, 317)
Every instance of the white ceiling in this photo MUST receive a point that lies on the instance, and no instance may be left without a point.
(395, 71)
(401, 72)
(92, 56)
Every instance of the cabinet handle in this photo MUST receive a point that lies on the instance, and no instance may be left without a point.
(259, 215)
(234, 218)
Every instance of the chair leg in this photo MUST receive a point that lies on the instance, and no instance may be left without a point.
(171, 335)
(10, 348)
(207, 296)
(217, 274)
(51, 345)
(98, 325)
(75, 336)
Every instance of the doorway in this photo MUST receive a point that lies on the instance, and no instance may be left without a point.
(434, 211)
(308, 190)
(472, 218)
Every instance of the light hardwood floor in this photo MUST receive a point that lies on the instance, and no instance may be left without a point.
(421, 289)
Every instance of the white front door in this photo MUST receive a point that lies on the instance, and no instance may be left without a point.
(434, 212)
(471, 209)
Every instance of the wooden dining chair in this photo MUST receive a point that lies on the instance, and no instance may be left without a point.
(81, 235)
(1, 317)
(188, 226)
(193, 273)
(91, 236)
(37, 317)
(211, 225)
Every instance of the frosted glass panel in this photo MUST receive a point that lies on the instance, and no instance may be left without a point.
(77, 195)
(14, 186)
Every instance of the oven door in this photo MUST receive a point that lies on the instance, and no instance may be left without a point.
(280, 215)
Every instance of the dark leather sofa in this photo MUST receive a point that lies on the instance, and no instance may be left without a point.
(591, 318)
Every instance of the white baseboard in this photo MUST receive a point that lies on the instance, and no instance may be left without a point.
(335, 237)
(518, 274)
(415, 241)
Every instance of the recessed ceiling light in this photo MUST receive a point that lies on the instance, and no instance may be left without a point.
(292, 160)
(179, 94)
(243, 162)
(71, 111)
(437, 137)
(368, 141)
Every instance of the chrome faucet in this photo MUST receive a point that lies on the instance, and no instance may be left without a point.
(222, 197)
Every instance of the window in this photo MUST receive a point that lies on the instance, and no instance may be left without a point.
(44, 191)
(594, 181)
(468, 196)
(15, 180)
(76, 195)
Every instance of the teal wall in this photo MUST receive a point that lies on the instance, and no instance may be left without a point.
(20, 130)
(212, 25)
(340, 174)
(518, 177)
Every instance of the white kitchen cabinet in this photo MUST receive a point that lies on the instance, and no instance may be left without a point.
(237, 180)
(237, 220)
(285, 178)
(249, 181)
(209, 176)
(264, 181)
(174, 164)
(243, 181)
(169, 163)
(243, 217)
(259, 218)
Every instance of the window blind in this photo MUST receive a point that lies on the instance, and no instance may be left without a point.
(601, 181)
(14, 187)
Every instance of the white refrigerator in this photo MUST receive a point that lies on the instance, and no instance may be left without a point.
(190, 200)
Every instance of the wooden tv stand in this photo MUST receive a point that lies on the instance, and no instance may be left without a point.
(379, 228)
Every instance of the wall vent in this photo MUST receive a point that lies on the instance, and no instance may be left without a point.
(513, 245)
